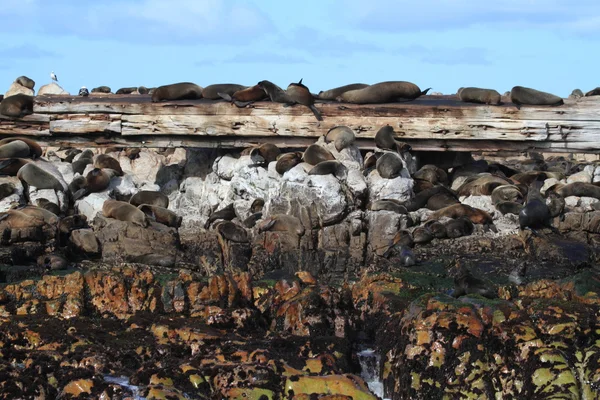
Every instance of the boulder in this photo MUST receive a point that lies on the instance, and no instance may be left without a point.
(53, 89)
(16, 88)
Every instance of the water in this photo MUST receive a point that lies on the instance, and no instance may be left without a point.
(370, 363)
(124, 382)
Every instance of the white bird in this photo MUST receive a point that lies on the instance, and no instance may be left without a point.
(53, 76)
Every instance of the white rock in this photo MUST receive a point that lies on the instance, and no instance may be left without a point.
(547, 184)
(596, 178)
(590, 169)
(383, 226)
(572, 201)
(399, 188)
(481, 202)
(65, 169)
(7, 202)
(350, 156)
(92, 204)
(586, 203)
(582, 176)
(226, 166)
(16, 88)
(597, 171)
(48, 194)
(144, 168)
(123, 185)
(52, 88)
(153, 187)
(298, 174)
(357, 183)
(458, 182)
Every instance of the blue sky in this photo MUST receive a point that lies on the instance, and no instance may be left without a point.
(551, 45)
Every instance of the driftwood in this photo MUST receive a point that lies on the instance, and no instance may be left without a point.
(432, 123)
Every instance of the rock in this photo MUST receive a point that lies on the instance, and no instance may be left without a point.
(124, 241)
(16, 88)
(92, 204)
(358, 186)
(582, 176)
(400, 188)
(7, 202)
(458, 182)
(225, 167)
(124, 186)
(482, 203)
(382, 227)
(53, 89)
(547, 184)
(85, 241)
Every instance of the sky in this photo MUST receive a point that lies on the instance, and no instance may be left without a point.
(549, 45)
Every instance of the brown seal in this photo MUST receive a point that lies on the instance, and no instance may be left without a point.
(32, 175)
(593, 92)
(334, 93)
(437, 229)
(283, 223)
(177, 91)
(10, 166)
(476, 215)
(508, 207)
(287, 161)
(383, 92)
(48, 216)
(15, 219)
(441, 200)
(314, 154)
(341, 136)
(422, 235)
(504, 193)
(275, 93)
(126, 90)
(332, 167)
(536, 213)
(301, 95)
(431, 174)
(404, 238)
(579, 189)
(16, 149)
(103, 161)
(162, 215)
(232, 232)
(149, 197)
(461, 226)
(389, 166)
(78, 183)
(132, 153)
(48, 205)
(385, 139)
(227, 213)
(257, 205)
(68, 224)
(35, 150)
(52, 262)
(98, 179)
(25, 81)
(465, 284)
(478, 95)
(387, 205)
(101, 89)
(264, 154)
(79, 165)
(556, 204)
(123, 211)
(520, 95)
(213, 92)
(17, 106)
(6, 189)
(243, 97)
(370, 162)
(481, 185)
(250, 222)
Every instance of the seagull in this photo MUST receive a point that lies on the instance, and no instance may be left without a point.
(53, 76)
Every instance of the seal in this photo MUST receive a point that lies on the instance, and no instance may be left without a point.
(162, 215)
(404, 238)
(25, 81)
(403, 253)
(420, 199)
(422, 235)
(244, 97)
(287, 161)
(459, 227)
(387, 205)
(177, 91)
(509, 207)
(31, 174)
(257, 205)
(431, 174)
(227, 213)
(17, 106)
(15, 219)
(475, 215)
(84, 92)
(149, 197)
(126, 90)
(123, 211)
(68, 224)
(48, 205)
(232, 232)
(52, 262)
(579, 189)
(520, 95)
(527, 178)
(556, 204)
(370, 162)
(143, 90)
(10, 166)
(250, 222)
(442, 199)
(132, 153)
(465, 284)
(264, 154)
(101, 89)
(504, 193)
(38, 212)
(6, 189)
(334, 93)
(35, 150)
(341, 136)
(593, 92)
(80, 164)
(469, 169)
(536, 213)
(212, 92)
(15, 149)
(282, 223)
(103, 161)
(389, 166)
(478, 95)
(332, 167)
(302, 95)
(275, 93)
(314, 154)
(481, 185)
(97, 180)
(383, 92)
(385, 138)
(437, 229)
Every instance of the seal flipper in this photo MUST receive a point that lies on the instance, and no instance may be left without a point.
(6, 163)
(80, 193)
(242, 104)
(424, 92)
(225, 96)
(316, 112)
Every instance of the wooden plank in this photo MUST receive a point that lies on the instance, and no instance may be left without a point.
(85, 124)
(29, 125)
